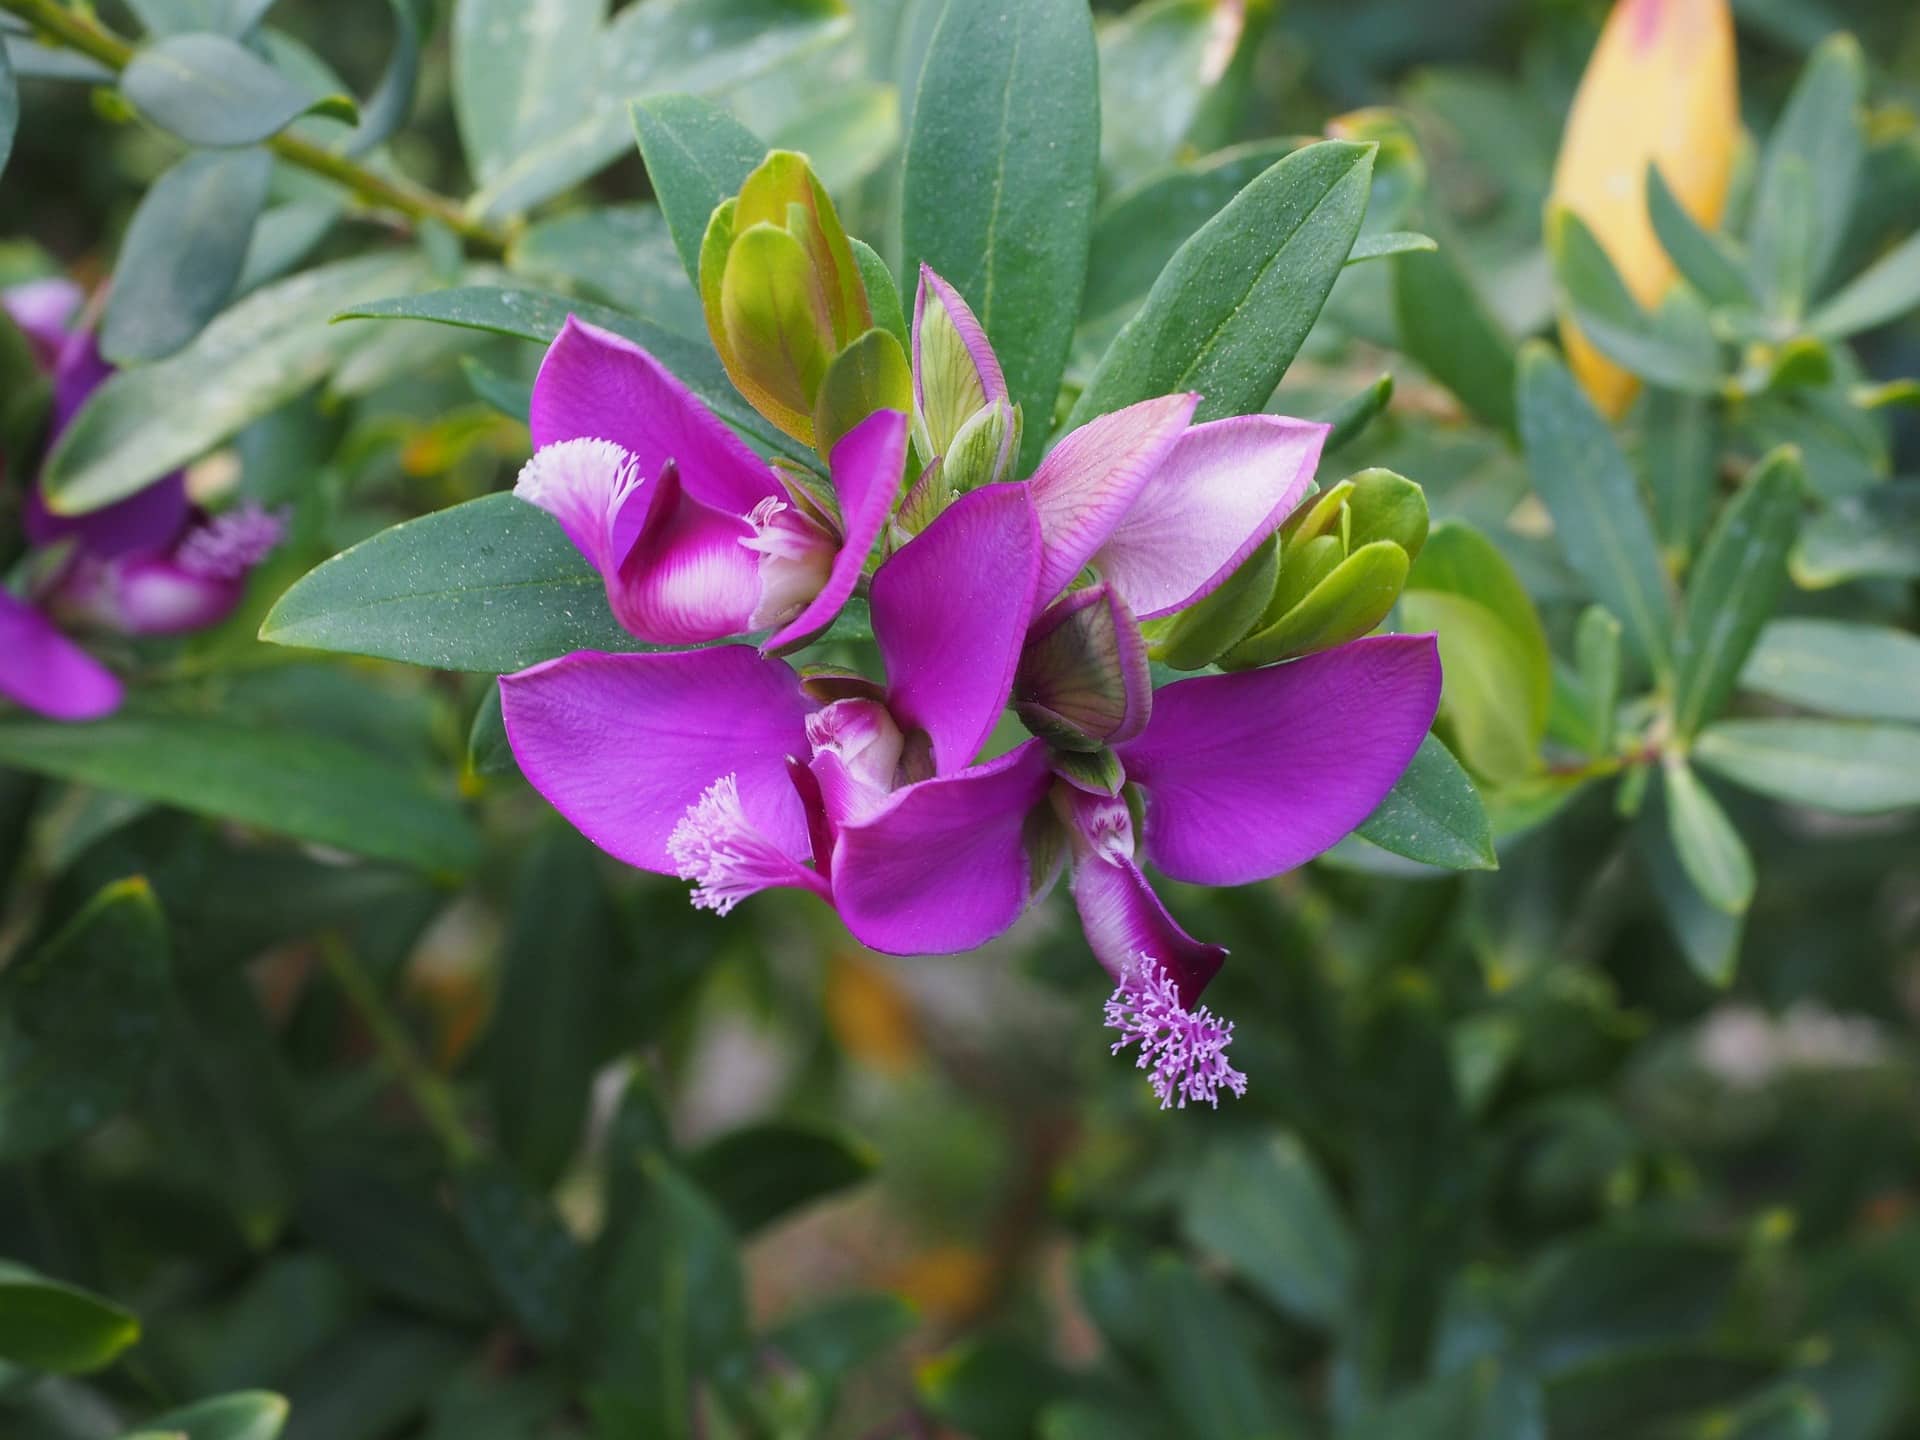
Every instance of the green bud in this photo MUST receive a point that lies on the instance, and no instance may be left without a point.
(1386, 506)
(1353, 596)
(983, 448)
(1200, 634)
(1083, 678)
(870, 374)
(781, 290)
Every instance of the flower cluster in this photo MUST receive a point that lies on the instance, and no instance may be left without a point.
(895, 796)
(151, 564)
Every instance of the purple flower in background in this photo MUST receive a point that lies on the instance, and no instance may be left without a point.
(150, 564)
(697, 537)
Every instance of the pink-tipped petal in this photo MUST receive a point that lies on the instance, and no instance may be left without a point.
(950, 610)
(46, 672)
(944, 867)
(985, 364)
(1224, 488)
(624, 745)
(596, 385)
(1088, 482)
(1250, 774)
(866, 466)
(587, 485)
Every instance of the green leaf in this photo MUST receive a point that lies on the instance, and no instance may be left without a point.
(1735, 587)
(1232, 307)
(1596, 645)
(697, 157)
(761, 1173)
(1433, 814)
(1627, 1392)
(1263, 1207)
(1478, 1402)
(1590, 491)
(492, 586)
(1847, 767)
(261, 352)
(395, 1233)
(1459, 560)
(182, 253)
(1707, 935)
(210, 90)
(80, 1021)
(9, 108)
(1343, 605)
(535, 1264)
(556, 982)
(1875, 534)
(1884, 291)
(1445, 326)
(1805, 190)
(1388, 243)
(1491, 674)
(1137, 233)
(1157, 62)
(1679, 452)
(621, 254)
(1675, 349)
(1607, 1291)
(999, 181)
(488, 751)
(305, 786)
(392, 100)
(883, 296)
(531, 315)
(569, 115)
(248, 1415)
(832, 1339)
(1865, 672)
(48, 1325)
(1710, 849)
(1706, 261)
(989, 1387)
(1350, 419)
(1209, 1371)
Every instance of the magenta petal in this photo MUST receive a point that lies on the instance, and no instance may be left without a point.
(145, 523)
(1088, 482)
(688, 576)
(1250, 774)
(1223, 488)
(993, 383)
(595, 385)
(945, 866)
(624, 745)
(1124, 920)
(950, 610)
(46, 672)
(866, 465)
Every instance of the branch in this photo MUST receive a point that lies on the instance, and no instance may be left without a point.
(75, 31)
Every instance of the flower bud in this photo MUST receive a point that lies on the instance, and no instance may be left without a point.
(1083, 681)
(781, 290)
(1659, 90)
(962, 413)
(1343, 562)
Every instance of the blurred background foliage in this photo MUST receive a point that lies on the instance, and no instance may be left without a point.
(478, 1136)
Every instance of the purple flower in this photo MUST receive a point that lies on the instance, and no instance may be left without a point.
(1185, 1049)
(697, 537)
(150, 564)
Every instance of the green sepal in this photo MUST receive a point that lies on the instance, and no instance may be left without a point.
(870, 374)
(1200, 634)
(1349, 602)
(772, 327)
(1386, 506)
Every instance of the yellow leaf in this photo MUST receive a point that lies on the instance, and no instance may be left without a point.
(1661, 88)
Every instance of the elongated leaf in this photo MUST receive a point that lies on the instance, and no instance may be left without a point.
(1816, 148)
(210, 90)
(1873, 534)
(1207, 1365)
(182, 253)
(1590, 491)
(551, 1011)
(1866, 672)
(1848, 767)
(1000, 171)
(1708, 936)
(308, 787)
(9, 108)
(1735, 587)
(1266, 1210)
(248, 1415)
(1232, 307)
(80, 1022)
(697, 155)
(758, 1174)
(1705, 260)
(1710, 849)
(531, 315)
(490, 586)
(535, 1264)
(391, 103)
(1446, 326)
(1138, 232)
(516, 67)
(574, 118)
(1489, 673)
(48, 1325)
(1433, 814)
(1681, 356)
(1884, 291)
(1679, 455)
(268, 348)
(622, 254)
(1597, 649)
